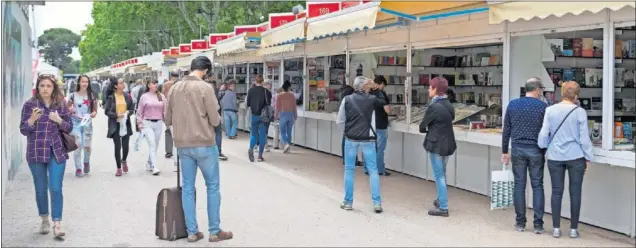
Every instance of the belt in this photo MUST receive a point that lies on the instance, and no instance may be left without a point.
(233, 110)
(152, 120)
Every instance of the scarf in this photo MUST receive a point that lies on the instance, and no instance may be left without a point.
(437, 98)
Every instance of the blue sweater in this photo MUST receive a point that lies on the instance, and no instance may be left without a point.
(572, 140)
(522, 122)
(228, 101)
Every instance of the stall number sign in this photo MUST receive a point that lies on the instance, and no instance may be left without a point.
(199, 45)
(280, 20)
(185, 49)
(214, 39)
(319, 9)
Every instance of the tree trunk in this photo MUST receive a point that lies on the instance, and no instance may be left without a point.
(184, 12)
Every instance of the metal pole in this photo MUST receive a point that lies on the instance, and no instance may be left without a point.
(409, 76)
(347, 65)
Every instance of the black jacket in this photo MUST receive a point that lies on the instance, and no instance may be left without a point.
(257, 98)
(109, 109)
(358, 124)
(438, 126)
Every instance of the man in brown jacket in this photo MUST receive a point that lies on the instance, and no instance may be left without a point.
(192, 110)
(174, 77)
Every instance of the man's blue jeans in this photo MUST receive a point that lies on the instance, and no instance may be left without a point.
(218, 137)
(207, 159)
(438, 164)
(383, 136)
(351, 152)
(528, 159)
(231, 123)
(48, 177)
(286, 124)
(258, 134)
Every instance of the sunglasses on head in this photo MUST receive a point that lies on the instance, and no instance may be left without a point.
(47, 76)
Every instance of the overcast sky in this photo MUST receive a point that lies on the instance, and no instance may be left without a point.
(71, 15)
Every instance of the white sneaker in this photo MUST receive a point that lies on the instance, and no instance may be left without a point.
(148, 167)
(155, 171)
(286, 149)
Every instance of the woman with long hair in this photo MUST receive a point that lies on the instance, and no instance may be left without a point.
(83, 106)
(119, 108)
(150, 121)
(285, 112)
(566, 137)
(44, 117)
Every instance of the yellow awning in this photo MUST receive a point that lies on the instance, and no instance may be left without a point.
(289, 33)
(359, 17)
(513, 11)
(417, 9)
(276, 49)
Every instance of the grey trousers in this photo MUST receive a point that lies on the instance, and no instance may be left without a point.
(169, 143)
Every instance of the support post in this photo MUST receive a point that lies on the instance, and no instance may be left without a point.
(348, 80)
(505, 87)
(608, 83)
(409, 77)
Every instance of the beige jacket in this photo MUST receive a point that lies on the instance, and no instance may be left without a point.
(193, 111)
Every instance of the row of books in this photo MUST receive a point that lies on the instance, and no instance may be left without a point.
(620, 104)
(391, 60)
(588, 47)
(467, 60)
(465, 79)
(482, 99)
(624, 132)
(592, 77)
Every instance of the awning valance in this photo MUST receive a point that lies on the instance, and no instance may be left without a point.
(513, 11)
(415, 9)
(289, 33)
(359, 17)
(239, 43)
(185, 61)
(277, 49)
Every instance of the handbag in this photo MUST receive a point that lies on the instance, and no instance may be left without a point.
(267, 113)
(68, 141)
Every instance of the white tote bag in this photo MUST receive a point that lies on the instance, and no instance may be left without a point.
(502, 189)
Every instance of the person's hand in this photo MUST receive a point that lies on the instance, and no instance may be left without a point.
(140, 126)
(505, 158)
(72, 109)
(93, 114)
(36, 113)
(587, 164)
(54, 116)
(121, 115)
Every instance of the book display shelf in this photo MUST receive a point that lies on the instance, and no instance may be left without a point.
(474, 75)
(578, 56)
(325, 76)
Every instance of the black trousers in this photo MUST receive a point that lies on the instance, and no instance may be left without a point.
(168, 140)
(575, 170)
(121, 143)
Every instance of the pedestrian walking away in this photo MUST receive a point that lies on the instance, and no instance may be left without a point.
(440, 140)
(83, 107)
(230, 109)
(44, 117)
(522, 124)
(119, 108)
(258, 101)
(286, 112)
(150, 121)
(218, 130)
(193, 103)
(357, 113)
(565, 134)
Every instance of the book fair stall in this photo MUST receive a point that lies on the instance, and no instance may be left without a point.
(486, 51)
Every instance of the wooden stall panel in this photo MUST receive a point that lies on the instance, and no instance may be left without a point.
(324, 136)
(393, 155)
(472, 167)
(336, 139)
(299, 131)
(311, 133)
(415, 159)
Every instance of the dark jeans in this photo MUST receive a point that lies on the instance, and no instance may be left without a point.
(576, 170)
(168, 140)
(528, 160)
(218, 136)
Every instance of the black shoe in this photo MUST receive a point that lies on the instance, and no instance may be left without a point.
(436, 203)
(386, 173)
(168, 155)
(366, 172)
(276, 148)
(250, 155)
(222, 157)
(520, 228)
(539, 230)
(358, 163)
(438, 212)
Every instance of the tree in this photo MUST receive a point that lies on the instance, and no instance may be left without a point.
(123, 30)
(57, 44)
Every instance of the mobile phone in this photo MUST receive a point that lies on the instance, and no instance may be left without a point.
(37, 111)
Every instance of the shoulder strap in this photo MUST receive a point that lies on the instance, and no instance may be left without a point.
(265, 92)
(561, 124)
(355, 105)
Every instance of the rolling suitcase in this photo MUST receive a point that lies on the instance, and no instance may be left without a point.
(170, 220)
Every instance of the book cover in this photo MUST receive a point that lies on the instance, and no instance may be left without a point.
(618, 130)
(618, 104)
(568, 74)
(596, 133)
(631, 49)
(619, 81)
(568, 47)
(597, 103)
(588, 47)
(629, 105)
(586, 103)
(579, 76)
(590, 126)
(591, 78)
(557, 46)
(627, 131)
(598, 48)
(558, 76)
(578, 47)
(628, 78)
(424, 79)
(618, 48)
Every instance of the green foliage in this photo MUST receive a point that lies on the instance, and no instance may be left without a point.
(56, 45)
(120, 25)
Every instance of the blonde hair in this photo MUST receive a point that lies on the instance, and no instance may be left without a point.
(570, 91)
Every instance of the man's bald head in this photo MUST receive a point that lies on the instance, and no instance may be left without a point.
(174, 74)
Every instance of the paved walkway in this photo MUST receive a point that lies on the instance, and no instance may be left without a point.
(291, 200)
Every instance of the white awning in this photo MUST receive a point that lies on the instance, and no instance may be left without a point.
(185, 61)
(276, 49)
(359, 17)
(513, 11)
(239, 43)
(289, 33)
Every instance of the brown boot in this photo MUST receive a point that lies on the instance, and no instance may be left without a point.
(196, 237)
(220, 236)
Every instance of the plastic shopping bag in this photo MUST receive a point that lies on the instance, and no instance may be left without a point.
(140, 135)
(502, 189)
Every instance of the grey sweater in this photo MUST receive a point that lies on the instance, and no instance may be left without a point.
(228, 101)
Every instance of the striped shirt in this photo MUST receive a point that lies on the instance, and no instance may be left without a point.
(44, 138)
